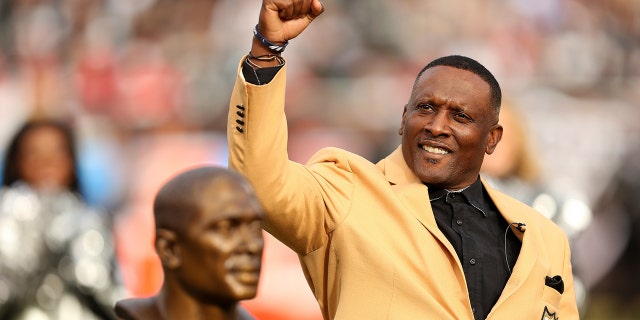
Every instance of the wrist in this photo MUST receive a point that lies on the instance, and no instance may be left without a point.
(260, 50)
(264, 61)
(274, 47)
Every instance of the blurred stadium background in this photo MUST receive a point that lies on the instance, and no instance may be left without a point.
(146, 84)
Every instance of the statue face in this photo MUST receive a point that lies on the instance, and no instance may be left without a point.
(221, 250)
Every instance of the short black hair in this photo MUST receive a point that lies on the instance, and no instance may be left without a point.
(468, 64)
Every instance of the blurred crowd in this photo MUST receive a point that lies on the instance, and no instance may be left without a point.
(145, 85)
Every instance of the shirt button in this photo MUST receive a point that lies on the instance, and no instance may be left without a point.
(452, 195)
(472, 261)
(459, 222)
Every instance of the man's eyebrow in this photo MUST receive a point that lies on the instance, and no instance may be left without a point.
(459, 108)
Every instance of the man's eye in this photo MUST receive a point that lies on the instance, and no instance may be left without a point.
(463, 116)
(425, 107)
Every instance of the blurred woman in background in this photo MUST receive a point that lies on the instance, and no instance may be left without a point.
(56, 253)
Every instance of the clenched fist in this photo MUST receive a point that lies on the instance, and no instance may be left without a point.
(282, 20)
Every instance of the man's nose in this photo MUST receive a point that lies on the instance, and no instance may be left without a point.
(438, 124)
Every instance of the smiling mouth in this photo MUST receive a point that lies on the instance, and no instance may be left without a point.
(434, 150)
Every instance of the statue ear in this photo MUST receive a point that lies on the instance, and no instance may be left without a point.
(168, 248)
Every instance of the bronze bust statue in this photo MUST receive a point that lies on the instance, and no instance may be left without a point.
(209, 240)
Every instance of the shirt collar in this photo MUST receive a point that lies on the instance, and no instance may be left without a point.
(473, 194)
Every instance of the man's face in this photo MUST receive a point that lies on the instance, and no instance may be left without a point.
(222, 249)
(447, 127)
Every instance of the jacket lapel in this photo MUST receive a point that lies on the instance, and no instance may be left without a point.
(513, 212)
(413, 194)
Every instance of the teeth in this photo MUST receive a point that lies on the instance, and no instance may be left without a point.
(434, 150)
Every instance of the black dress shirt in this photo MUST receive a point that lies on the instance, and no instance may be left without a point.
(486, 246)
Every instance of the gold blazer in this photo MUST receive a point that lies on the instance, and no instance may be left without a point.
(366, 235)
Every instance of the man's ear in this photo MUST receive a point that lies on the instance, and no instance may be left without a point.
(168, 248)
(404, 112)
(495, 135)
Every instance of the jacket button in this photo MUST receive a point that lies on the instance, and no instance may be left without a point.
(472, 261)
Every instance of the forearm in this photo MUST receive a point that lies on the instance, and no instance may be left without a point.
(258, 149)
(257, 129)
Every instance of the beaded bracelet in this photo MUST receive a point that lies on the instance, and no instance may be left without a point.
(272, 46)
(266, 57)
(263, 58)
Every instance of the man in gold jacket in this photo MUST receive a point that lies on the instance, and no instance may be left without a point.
(418, 235)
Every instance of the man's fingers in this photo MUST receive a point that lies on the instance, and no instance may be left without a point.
(305, 6)
(282, 20)
(287, 12)
(317, 8)
(297, 9)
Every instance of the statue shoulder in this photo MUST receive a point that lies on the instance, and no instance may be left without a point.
(137, 309)
(243, 314)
